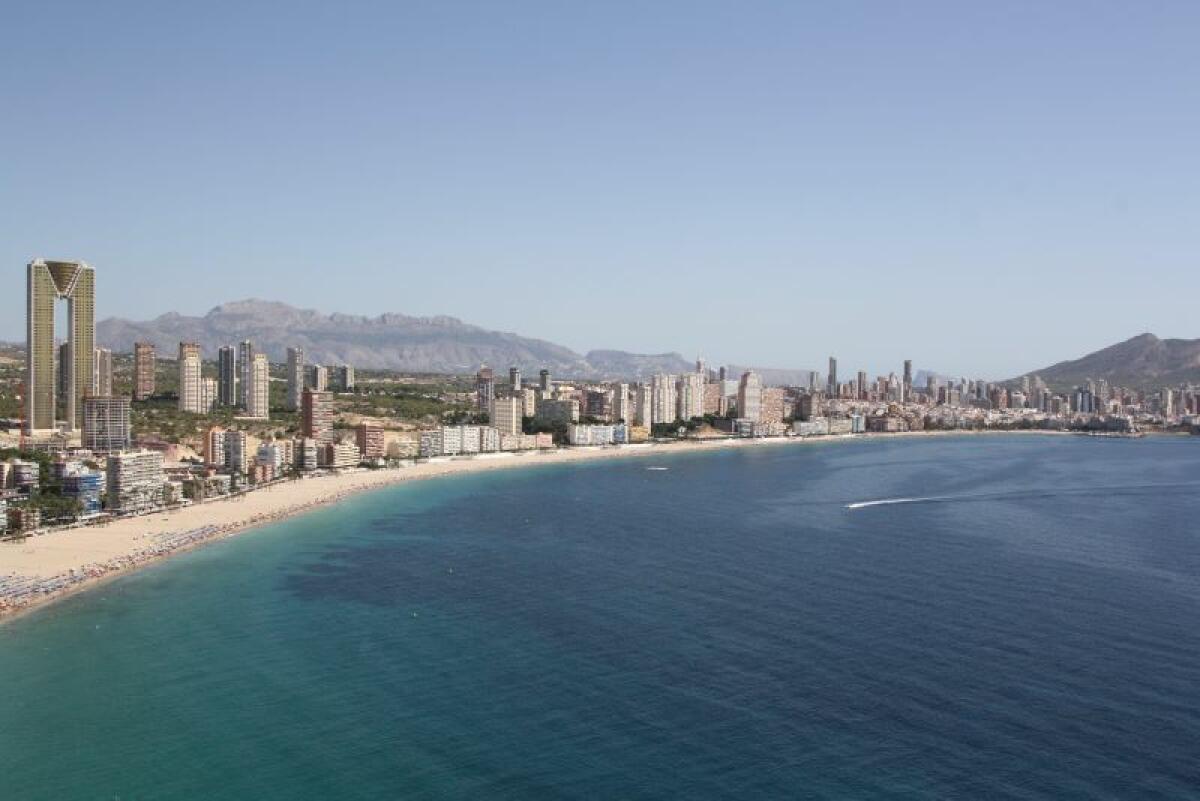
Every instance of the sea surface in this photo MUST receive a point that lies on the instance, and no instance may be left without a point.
(1024, 624)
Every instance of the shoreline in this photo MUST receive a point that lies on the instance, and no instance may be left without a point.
(43, 569)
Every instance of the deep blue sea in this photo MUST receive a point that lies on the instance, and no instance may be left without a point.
(1026, 625)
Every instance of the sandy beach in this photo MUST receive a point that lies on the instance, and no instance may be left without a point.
(50, 566)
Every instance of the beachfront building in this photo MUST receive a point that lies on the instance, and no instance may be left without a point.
(340, 455)
(689, 396)
(106, 426)
(506, 412)
(306, 454)
(316, 415)
(750, 397)
(489, 440)
(468, 439)
(245, 358)
(135, 481)
(143, 370)
(662, 399)
(370, 440)
(84, 486)
(597, 435)
(564, 411)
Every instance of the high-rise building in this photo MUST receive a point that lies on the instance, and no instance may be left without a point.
(505, 413)
(47, 282)
(485, 388)
(106, 426)
(662, 391)
(227, 376)
(831, 382)
(295, 377)
(622, 407)
(102, 372)
(316, 376)
(643, 406)
(245, 363)
(370, 440)
(514, 377)
(750, 396)
(342, 378)
(544, 380)
(316, 415)
(689, 394)
(908, 381)
(258, 398)
(208, 394)
(860, 388)
(190, 392)
(143, 370)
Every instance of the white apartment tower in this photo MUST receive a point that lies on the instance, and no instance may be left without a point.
(190, 390)
(258, 398)
(750, 396)
(295, 378)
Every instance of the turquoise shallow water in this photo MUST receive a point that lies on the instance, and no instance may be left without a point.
(1023, 626)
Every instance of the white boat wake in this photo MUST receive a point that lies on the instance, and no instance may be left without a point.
(889, 502)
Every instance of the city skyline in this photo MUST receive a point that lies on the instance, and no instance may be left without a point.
(873, 179)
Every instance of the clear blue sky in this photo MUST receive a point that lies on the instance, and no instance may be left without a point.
(981, 187)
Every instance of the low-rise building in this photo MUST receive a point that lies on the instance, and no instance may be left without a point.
(341, 455)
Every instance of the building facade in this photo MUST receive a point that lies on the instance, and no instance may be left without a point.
(46, 283)
(106, 427)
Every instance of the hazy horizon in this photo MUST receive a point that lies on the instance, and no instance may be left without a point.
(984, 190)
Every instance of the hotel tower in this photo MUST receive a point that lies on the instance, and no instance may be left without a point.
(48, 281)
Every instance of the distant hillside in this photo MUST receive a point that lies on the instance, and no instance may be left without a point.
(390, 341)
(1142, 362)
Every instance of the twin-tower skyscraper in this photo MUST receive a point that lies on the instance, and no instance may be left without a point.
(49, 282)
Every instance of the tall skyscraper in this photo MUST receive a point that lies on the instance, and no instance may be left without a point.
(689, 395)
(227, 375)
(258, 398)
(643, 406)
(190, 392)
(831, 383)
(485, 388)
(295, 377)
(622, 406)
(750, 396)
(143, 370)
(245, 362)
(908, 381)
(102, 374)
(46, 282)
(662, 393)
(544, 380)
(514, 377)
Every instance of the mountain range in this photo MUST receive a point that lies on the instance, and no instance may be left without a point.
(389, 341)
(1145, 362)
